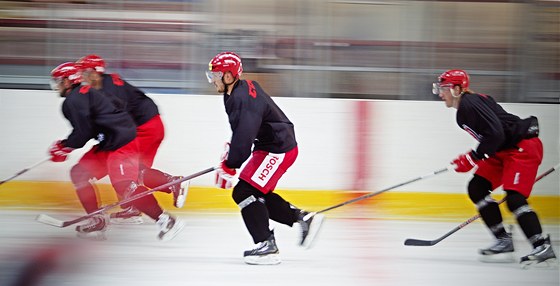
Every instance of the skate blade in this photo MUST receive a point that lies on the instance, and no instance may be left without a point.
(167, 236)
(551, 263)
(94, 235)
(182, 197)
(497, 258)
(314, 229)
(270, 259)
(126, 221)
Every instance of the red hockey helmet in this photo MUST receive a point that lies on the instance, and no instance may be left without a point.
(451, 78)
(92, 61)
(222, 63)
(67, 70)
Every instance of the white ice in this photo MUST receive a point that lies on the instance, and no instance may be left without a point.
(209, 252)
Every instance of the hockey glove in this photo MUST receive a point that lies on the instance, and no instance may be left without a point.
(225, 154)
(224, 176)
(464, 163)
(58, 152)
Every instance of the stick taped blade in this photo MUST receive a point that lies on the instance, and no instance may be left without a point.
(417, 242)
(46, 219)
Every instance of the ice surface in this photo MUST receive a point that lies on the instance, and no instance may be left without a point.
(209, 252)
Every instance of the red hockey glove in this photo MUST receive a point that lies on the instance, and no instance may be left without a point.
(224, 176)
(464, 163)
(58, 152)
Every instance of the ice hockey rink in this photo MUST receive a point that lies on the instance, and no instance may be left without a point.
(348, 251)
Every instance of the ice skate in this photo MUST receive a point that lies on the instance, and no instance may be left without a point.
(130, 215)
(179, 191)
(499, 252)
(93, 229)
(310, 225)
(266, 253)
(541, 256)
(169, 226)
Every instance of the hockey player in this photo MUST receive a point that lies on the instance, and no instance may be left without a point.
(93, 116)
(257, 121)
(509, 153)
(150, 130)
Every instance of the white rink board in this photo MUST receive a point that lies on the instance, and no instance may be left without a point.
(407, 139)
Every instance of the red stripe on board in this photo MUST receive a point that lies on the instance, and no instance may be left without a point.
(362, 142)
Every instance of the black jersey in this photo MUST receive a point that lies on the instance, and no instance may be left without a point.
(137, 103)
(490, 124)
(93, 116)
(255, 120)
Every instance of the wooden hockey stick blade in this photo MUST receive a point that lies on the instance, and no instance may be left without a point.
(46, 219)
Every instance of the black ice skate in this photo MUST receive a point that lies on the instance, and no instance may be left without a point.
(130, 215)
(179, 191)
(93, 229)
(310, 225)
(169, 226)
(266, 253)
(499, 252)
(542, 255)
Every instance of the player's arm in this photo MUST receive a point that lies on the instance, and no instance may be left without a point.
(245, 127)
(78, 114)
(483, 124)
(489, 127)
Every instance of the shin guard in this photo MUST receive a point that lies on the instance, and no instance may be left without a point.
(84, 189)
(479, 193)
(526, 217)
(253, 210)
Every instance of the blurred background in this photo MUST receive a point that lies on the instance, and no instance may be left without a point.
(295, 48)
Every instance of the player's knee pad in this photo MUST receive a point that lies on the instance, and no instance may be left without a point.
(125, 188)
(479, 192)
(517, 204)
(244, 194)
(80, 176)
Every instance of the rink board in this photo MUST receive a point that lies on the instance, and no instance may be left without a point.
(391, 204)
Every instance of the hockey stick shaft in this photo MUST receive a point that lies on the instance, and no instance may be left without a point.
(369, 195)
(58, 223)
(421, 242)
(25, 170)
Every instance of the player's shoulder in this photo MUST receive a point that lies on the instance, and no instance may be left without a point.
(78, 92)
(78, 96)
(476, 97)
(114, 79)
(470, 99)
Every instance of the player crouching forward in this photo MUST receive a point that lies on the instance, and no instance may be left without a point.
(150, 131)
(93, 116)
(256, 120)
(509, 153)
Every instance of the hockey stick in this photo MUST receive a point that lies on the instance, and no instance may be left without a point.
(369, 195)
(46, 219)
(25, 170)
(421, 242)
